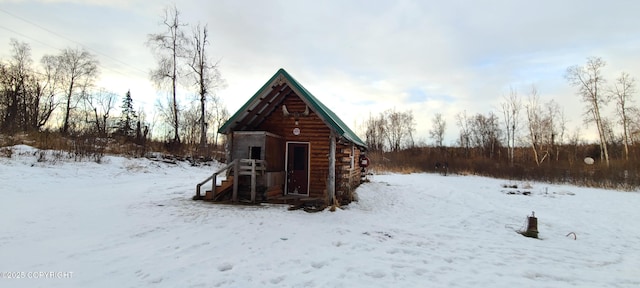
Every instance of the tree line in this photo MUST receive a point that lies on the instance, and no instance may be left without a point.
(526, 137)
(526, 121)
(59, 94)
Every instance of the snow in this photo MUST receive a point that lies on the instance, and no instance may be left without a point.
(131, 223)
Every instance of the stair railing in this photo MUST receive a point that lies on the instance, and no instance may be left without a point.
(213, 177)
(250, 167)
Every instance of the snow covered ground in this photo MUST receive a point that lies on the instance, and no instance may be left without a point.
(131, 223)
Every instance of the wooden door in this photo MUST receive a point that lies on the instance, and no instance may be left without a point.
(298, 168)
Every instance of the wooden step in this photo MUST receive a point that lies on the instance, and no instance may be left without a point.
(226, 184)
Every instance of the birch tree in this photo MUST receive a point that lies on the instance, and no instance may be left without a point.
(205, 75)
(438, 126)
(622, 92)
(77, 70)
(590, 83)
(546, 126)
(534, 122)
(511, 116)
(169, 47)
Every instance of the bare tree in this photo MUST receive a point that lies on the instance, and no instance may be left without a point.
(76, 69)
(165, 116)
(393, 128)
(560, 128)
(98, 108)
(47, 88)
(511, 112)
(485, 133)
(438, 127)
(399, 127)
(622, 91)
(409, 128)
(217, 116)
(205, 75)
(142, 129)
(375, 132)
(464, 139)
(535, 126)
(546, 124)
(551, 125)
(169, 47)
(26, 94)
(5, 97)
(190, 124)
(574, 142)
(15, 81)
(609, 134)
(590, 83)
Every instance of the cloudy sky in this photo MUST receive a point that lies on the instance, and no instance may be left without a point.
(357, 57)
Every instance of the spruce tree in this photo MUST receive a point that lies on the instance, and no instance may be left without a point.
(128, 117)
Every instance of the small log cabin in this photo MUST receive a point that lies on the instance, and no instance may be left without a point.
(307, 151)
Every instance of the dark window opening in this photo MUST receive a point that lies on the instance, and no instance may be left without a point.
(299, 158)
(255, 152)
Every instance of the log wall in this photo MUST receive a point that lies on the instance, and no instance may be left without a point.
(314, 131)
(349, 176)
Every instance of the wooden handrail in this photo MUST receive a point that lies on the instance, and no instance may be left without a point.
(252, 167)
(213, 177)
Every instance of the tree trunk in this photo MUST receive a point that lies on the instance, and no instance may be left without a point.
(67, 111)
(203, 129)
(174, 76)
(603, 140)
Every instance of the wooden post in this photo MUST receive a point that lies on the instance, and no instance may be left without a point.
(331, 185)
(532, 226)
(236, 175)
(253, 180)
(213, 184)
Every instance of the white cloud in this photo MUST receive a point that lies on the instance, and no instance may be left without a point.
(360, 55)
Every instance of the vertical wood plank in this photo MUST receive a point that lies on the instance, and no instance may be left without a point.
(236, 176)
(253, 180)
(331, 189)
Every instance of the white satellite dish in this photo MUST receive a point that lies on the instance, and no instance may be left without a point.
(588, 161)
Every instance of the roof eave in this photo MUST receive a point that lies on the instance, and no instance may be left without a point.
(323, 112)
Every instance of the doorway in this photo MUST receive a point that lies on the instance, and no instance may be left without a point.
(297, 168)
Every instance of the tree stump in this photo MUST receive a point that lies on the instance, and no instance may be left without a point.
(532, 227)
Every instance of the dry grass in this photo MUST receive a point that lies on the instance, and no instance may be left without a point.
(88, 147)
(567, 167)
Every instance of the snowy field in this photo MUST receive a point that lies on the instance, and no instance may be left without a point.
(131, 223)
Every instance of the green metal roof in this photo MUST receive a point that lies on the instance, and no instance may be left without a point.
(331, 119)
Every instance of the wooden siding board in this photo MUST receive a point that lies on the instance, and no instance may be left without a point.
(312, 130)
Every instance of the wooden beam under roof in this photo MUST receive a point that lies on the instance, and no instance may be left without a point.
(275, 96)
